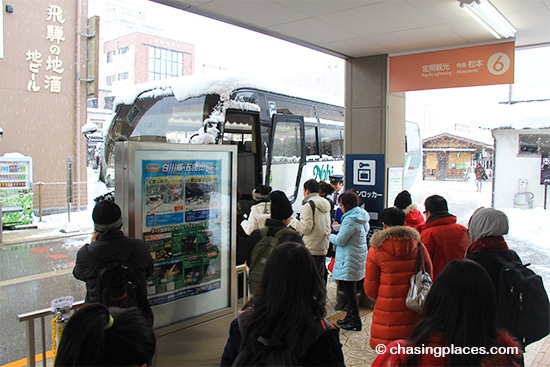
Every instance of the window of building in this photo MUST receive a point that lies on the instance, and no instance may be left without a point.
(111, 79)
(164, 63)
(109, 102)
(533, 144)
(123, 76)
(111, 56)
(123, 50)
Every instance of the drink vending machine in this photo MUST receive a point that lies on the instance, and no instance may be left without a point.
(16, 195)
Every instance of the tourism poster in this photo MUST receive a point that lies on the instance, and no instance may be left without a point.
(181, 200)
(182, 230)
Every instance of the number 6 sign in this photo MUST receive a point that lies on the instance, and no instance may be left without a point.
(498, 63)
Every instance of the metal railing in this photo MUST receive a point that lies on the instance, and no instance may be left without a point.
(30, 317)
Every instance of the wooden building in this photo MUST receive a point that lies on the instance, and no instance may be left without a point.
(453, 157)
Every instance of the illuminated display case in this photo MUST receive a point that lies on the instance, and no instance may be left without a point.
(181, 200)
(16, 195)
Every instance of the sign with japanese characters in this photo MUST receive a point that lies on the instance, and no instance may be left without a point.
(545, 168)
(182, 227)
(365, 174)
(462, 67)
(46, 66)
(181, 200)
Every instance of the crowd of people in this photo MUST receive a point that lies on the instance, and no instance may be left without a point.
(284, 321)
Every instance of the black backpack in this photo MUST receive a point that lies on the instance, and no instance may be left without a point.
(523, 307)
(261, 252)
(274, 351)
(117, 283)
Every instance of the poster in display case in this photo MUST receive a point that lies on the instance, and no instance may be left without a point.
(180, 199)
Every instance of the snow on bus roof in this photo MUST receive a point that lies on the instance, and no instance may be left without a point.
(196, 85)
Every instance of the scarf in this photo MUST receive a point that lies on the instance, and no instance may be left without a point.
(492, 243)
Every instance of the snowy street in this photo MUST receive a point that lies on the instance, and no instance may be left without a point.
(529, 231)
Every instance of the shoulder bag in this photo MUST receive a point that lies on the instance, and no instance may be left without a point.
(421, 283)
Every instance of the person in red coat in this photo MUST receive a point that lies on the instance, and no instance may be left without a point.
(459, 319)
(444, 238)
(413, 217)
(391, 261)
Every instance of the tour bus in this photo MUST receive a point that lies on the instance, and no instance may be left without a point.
(283, 136)
(413, 154)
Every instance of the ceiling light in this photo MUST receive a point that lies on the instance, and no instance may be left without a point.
(489, 17)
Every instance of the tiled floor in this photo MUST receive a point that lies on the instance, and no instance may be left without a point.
(357, 351)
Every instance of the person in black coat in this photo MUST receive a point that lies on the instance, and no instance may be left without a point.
(287, 314)
(487, 226)
(108, 242)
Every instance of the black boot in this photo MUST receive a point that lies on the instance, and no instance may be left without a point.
(341, 305)
(354, 323)
(344, 320)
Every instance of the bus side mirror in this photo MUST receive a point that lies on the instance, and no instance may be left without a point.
(88, 128)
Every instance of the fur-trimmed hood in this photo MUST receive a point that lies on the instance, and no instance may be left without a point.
(393, 239)
(410, 208)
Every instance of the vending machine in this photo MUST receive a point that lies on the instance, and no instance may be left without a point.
(16, 195)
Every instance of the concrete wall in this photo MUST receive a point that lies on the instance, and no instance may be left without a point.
(510, 167)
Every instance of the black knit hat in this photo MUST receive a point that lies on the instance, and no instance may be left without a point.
(280, 206)
(106, 215)
(403, 200)
(261, 193)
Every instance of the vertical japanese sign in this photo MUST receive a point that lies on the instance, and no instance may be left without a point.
(181, 226)
(545, 168)
(53, 64)
(365, 173)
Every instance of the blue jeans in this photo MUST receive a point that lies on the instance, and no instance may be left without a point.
(479, 183)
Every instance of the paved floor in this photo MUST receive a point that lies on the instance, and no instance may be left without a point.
(357, 350)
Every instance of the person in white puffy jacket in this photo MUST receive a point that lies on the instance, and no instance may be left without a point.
(314, 224)
(258, 212)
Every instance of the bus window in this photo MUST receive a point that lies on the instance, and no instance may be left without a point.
(287, 155)
(332, 142)
(239, 130)
(312, 150)
(291, 106)
(330, 113)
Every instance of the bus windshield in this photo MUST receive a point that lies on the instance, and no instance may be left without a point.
(163, 119)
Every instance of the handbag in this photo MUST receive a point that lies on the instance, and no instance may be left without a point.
(421, 282)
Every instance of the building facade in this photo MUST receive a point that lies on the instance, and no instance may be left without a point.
(43, 95)
(452, 157)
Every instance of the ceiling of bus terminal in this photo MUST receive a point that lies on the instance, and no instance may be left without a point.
(357, 28)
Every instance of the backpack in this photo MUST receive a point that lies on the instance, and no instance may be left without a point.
(117, 283)
(276, 354)
(523, 307)
(260, 254)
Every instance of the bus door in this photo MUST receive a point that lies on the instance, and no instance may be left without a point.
(242, 128)
(286, 154)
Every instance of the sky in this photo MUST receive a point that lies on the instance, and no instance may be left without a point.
(231, 48)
